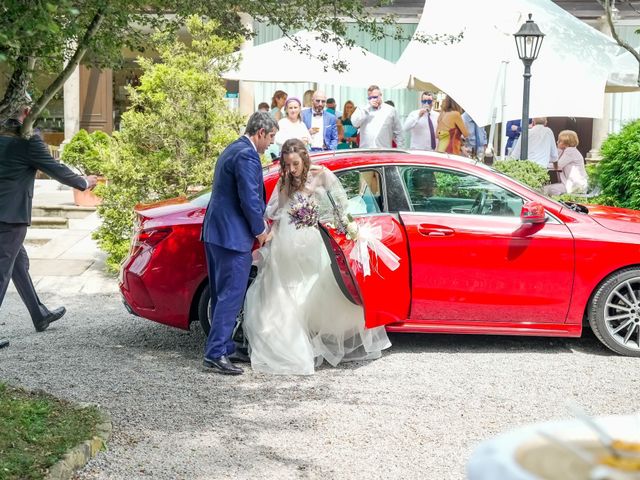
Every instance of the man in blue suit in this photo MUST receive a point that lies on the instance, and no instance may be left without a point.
(321, 124)
(233, 222)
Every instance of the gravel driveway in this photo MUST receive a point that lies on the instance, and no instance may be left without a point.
(417, 412)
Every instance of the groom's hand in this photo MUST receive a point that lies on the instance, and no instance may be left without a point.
(262, 238)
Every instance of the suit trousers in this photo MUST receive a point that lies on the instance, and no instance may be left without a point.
(14, 265)
(228, 278)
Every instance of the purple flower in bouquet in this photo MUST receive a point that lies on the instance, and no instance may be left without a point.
(303, 211)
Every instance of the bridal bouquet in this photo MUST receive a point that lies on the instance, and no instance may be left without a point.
(303, 211)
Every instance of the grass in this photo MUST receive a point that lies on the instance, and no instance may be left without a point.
(36, 430)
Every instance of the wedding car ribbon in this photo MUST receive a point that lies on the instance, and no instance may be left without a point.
(370, 237)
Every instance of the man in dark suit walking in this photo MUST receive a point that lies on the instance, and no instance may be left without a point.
(20, 158)
(233, 222)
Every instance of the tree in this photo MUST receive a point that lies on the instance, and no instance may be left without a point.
(610, 12)
(54, 36)
(177, 126)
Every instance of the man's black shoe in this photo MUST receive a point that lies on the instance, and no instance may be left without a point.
(222, 365)
(49, 318)
(239, 356)
(4, 342)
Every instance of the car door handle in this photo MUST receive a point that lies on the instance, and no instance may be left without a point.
(435, 230)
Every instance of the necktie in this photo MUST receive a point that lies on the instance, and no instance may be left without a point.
(431, 132)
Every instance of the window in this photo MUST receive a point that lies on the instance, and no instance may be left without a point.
(444, 191)
(364, 190)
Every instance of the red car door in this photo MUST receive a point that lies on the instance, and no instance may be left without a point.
(473, 259)
(384, 293)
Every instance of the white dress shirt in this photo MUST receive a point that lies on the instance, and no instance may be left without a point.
(542, 146)
(418, 127)
(288, 129)
(378, 127)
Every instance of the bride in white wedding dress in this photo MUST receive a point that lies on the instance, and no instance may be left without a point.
(295, 314)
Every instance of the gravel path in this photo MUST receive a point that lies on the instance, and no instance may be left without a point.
(417, 412)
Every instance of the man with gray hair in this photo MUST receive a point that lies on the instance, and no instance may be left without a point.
(233, 223)
(378, 122)
(20, 158)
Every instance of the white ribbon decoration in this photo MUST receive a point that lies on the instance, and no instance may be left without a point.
(370, 237)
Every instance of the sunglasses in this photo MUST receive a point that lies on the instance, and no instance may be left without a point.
(320, 101)
(426, 101)
(373, 97)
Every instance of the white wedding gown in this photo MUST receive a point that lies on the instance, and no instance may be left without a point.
(295, 314)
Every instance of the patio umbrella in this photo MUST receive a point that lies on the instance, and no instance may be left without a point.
(483, 73)
(281, 61)
(625, 76)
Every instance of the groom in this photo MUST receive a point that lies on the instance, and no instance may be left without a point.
(233, 222)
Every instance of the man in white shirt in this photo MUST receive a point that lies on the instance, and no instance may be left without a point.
(378, 122)
(421, 124)
(321, 124)
(542, 144)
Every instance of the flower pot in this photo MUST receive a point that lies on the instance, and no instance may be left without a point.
(87, 198)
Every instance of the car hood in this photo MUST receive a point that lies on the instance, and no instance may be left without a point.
(616, 219)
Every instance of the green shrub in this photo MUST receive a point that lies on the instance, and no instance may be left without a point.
(524, 171)
(85, 152)
(170, 138)
(618, 173)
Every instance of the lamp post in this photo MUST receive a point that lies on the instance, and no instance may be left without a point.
(528, 41)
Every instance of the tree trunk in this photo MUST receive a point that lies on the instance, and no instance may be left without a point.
(17, 89)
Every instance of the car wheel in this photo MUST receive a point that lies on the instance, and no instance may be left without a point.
(614, 312)
(203, 311)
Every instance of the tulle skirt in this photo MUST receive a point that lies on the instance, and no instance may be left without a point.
(296, 317)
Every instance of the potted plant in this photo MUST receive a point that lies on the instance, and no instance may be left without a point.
(86, 152)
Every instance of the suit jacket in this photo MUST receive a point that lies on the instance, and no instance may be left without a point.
(20, 158)
(329, 124)
(235, 212)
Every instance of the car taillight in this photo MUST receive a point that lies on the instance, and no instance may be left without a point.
(152, 236)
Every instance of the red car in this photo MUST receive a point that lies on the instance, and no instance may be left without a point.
(479, 253)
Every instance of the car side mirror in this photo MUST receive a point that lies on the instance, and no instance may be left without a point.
(532, 212)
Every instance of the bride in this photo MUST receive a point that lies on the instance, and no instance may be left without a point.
(296, 317)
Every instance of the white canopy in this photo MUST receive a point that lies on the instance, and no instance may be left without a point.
(568, 78)
(625, 76)
(281, 61)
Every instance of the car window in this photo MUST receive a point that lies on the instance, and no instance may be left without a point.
(444, 191)
(364, 190)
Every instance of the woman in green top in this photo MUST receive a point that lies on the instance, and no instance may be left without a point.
(347, 133)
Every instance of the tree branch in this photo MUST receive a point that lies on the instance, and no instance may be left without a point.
(616, 37)
(60, 80)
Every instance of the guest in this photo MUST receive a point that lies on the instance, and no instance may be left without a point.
(477, 138)
(542, 144)
(321, 124)
(331, 107)
(513, 131)
(451, 127)
(378, 122)
(347, 133)
(277, 102)
(292, 126)
(263, 107)
(421, 124)
(307, 99)
(573, 175)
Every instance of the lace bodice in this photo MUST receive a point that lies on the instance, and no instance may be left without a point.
(320, 185)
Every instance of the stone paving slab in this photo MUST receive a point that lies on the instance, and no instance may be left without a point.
(44, 267)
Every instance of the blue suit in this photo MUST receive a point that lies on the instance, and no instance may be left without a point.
(233, 220)
(329, 124)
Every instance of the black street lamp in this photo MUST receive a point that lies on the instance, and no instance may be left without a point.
(528, 41)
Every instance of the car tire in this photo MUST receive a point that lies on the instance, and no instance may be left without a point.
(614, 312)
(203, 310)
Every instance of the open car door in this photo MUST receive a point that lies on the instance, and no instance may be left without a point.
(384, 292)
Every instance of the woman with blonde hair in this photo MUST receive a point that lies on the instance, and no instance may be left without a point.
(277, 102)
(570, 163)
(451, 127)
(347, 133)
